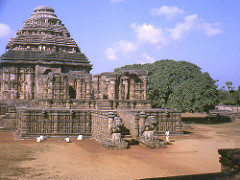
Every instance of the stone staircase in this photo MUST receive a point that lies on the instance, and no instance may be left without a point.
(128, 120)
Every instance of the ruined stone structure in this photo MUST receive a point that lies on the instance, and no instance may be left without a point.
(42, 46)
(46, 88)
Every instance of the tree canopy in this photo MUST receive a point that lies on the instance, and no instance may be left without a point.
(229, 96)
(178, 85)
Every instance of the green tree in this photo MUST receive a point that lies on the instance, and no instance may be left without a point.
(229, 86)
(178, 85)
(229, 96)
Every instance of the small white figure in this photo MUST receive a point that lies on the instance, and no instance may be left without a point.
(41, 137)
(38, 139)
(79, 137)
(167, 135)
(67, 139)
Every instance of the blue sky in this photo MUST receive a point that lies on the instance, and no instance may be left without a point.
(114, 33)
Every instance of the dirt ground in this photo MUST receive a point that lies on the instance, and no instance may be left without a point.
(192, 153)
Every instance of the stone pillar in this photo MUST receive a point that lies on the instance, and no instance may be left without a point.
(132, 89)
(55, 125)
(136, 131)
(88, 88)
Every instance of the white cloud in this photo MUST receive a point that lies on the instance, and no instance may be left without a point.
(123, 47)
(126, 46)
(147, 33)
(187, 25)
(145, 58)
(5, 30)
(192, 22)
(211, 29)
(167, 11)
(159, 37)
(110, 54)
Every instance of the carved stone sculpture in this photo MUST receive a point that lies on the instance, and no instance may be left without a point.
(147, 133)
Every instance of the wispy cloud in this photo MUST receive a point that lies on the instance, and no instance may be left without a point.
(211, 29)
(169, 12)
(159, 37)
(147, 33)
(192, 22)
(5, 30)
(145, 58)
(123, 47)
(181, 28)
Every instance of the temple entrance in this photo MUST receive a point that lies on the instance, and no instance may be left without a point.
(47, 71)
(72, 92)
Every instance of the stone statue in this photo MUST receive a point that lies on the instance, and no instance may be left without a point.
(146, 135)
(115, 140)
(116, 130)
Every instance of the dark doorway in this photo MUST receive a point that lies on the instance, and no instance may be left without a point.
(72, 92)
(47, 71)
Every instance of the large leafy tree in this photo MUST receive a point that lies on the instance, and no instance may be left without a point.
(178, 85)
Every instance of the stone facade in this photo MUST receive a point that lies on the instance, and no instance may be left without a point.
(46, 89)
(43, 45)
(122, 85)
(52, 122)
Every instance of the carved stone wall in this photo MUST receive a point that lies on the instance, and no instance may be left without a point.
(122, 85)
(123, 90)
(42, 46)
(53, 122)
(16, 83)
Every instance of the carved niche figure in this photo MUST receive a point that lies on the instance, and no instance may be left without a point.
(124, 88)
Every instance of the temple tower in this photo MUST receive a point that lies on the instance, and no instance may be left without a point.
(42, 46)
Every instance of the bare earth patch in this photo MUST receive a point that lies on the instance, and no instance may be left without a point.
(190, 154)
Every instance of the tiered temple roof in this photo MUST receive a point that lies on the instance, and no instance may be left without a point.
(42, 39)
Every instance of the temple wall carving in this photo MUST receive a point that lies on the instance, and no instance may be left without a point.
(50, 122)
(122, 85)
(17, 83)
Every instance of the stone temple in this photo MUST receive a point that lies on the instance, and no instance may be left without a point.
(46, 89)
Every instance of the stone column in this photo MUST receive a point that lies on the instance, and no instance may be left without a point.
(88, 89)
(136, 131)
(55, 125)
